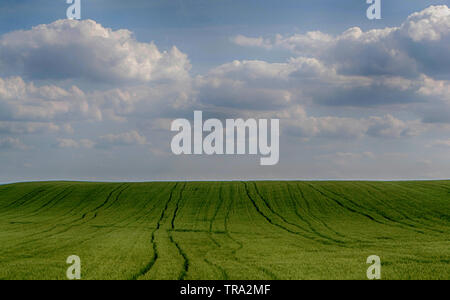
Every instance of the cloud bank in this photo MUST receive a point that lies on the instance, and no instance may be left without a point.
(97, 91)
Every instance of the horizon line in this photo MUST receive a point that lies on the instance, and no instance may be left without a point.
(220, 180)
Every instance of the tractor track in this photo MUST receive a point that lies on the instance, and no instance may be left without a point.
(239, 243)
(147, 268)
(396, 223)
(270, 221)
(405, 216)
(185, 270)
(308, 206)
(312, 229)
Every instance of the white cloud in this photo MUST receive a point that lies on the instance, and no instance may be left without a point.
(390, 127)
(419, 45)
(431, 24)
(158, 100)
(298, 123)
(86, 49)
(260, 85)
(22, 101)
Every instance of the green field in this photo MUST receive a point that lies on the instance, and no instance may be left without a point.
(225, 230)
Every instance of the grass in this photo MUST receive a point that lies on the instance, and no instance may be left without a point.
(225, 230)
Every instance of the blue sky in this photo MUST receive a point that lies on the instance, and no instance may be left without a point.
(354, 103)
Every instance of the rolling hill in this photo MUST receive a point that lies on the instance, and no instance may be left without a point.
(225, 230)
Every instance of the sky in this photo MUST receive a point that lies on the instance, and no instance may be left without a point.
(94, 99)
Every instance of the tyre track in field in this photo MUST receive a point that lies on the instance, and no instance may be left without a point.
(350, 209)
(177, 207)
(108, 198)
(218, 268)
(23, 199)
(404, 215)
(356, 211)
(211, 237)
(305, 232)
(177, 245)
(62, 217)
(312, 229)
(240, 244)
(270, 221)
(308, 206)
(272, 210)
(111, 203)
(147, 268)
(56, 199)
(397, 223)
(70, 224)
(48, 229)
(79, 206)
(214, 217)
(94, 235)
(406, 196)
(111, 229)
(227, 232)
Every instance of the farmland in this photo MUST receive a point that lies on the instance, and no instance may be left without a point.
(225, 230)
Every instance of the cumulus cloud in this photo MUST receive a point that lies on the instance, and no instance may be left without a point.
(437, 109)
(162, 99)
(233, 94)
(259, 85)
(262, 85)
(85, 49)
(394, 66)
(27, 108)
(419, 45)
(152, 81)
(298, 123)
(431, 24)
(22, 101)
(391, 127)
